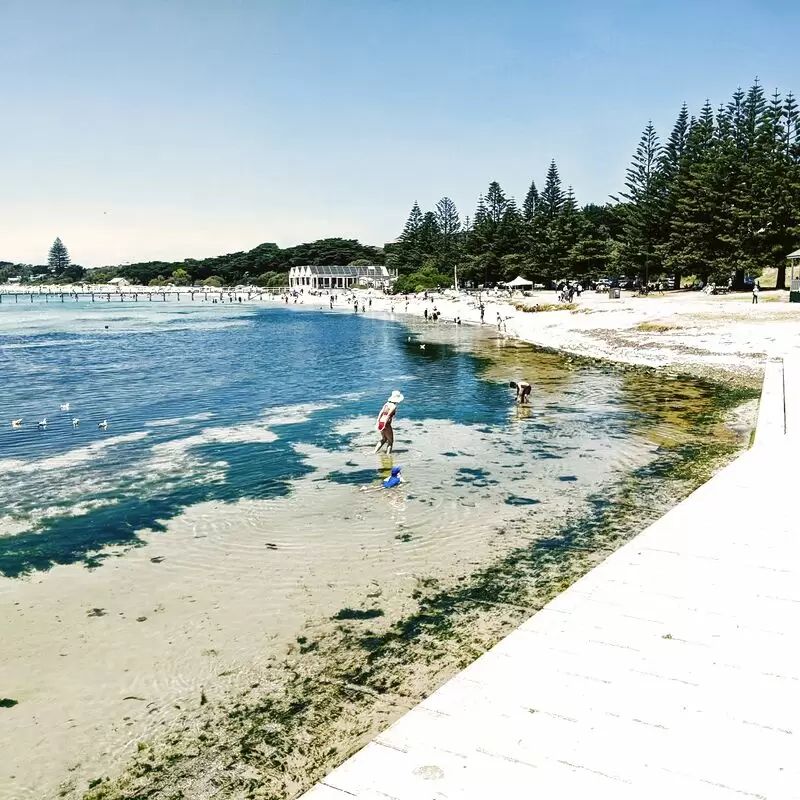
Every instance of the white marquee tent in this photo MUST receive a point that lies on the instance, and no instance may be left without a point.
(519, 282)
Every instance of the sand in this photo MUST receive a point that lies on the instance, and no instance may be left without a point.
(693, 332)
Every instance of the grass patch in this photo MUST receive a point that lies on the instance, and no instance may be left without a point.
(536, 307)
(655, 327)
(7, 702)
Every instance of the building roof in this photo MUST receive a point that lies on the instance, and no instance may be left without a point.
(796, 254)
(342, 272)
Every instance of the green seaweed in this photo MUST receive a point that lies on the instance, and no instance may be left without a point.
(355, 613)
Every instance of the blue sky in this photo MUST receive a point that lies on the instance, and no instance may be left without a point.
(186, 128)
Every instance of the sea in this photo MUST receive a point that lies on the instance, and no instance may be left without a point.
(211, 491)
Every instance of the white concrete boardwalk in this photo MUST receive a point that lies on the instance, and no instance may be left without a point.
(671, 670)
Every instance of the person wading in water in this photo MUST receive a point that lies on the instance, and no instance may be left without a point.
(523, 391)
(385, 418)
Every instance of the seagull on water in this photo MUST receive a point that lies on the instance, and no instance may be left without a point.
(103, 424)
(422, 347)
(16, 423)
(64, 406)
(43, 423)
(75, 422)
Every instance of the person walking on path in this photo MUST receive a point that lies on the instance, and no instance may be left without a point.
(756, 290)
(385, 419)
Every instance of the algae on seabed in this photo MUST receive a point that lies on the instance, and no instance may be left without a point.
(339, 687)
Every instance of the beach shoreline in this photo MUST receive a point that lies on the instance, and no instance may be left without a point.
(724, 338)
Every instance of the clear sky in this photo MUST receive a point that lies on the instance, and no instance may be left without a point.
(143, 129)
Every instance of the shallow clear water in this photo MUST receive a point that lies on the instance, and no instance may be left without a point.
(222, 507)
(210, 403)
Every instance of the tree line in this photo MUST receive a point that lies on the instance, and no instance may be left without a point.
(717, 200)
(264, 265)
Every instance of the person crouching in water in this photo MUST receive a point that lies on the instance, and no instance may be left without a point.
(523, 391)
(394, 479)
(385, 418)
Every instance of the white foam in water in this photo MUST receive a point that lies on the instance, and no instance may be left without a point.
(164, 423)
(289, 415)
(72, 458)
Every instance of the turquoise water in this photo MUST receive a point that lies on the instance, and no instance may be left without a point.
(214, 403)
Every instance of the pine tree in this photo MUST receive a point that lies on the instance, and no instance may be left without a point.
(449, 227)
(487, 240)
(780, 223)
(745, 158)
(428, 240)
(496, 203)
(672, 166)
(693, 245)
(590, 256)
(530, 203)
(674, 149)
(552, 197)
(567, 232)
(510, 239)
(643, 203)
(58, 259)
(407, 250)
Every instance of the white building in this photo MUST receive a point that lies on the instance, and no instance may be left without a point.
(335, 277)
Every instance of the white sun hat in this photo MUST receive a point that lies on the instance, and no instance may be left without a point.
(396, 397)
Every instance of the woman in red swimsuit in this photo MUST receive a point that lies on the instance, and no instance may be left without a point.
(384, 424)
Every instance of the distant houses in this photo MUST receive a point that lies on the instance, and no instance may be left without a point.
(339, 277)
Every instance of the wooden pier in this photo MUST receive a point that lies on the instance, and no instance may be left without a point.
(104, 296)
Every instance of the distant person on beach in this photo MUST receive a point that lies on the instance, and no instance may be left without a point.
(482, 308)
(756, 290)
(523, 389)
(425, 312)
(385, 419)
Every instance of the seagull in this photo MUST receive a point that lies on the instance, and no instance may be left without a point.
(43, 423)
(64, 406)
(16, 423)
(422, 347)
(75, 422)
(103, 424)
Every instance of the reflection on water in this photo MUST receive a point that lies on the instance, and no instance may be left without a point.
(223, 508)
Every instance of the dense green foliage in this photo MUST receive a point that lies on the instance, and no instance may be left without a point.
(265, 265)
(721, 198)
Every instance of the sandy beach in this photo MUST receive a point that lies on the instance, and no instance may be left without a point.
(722, 337)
